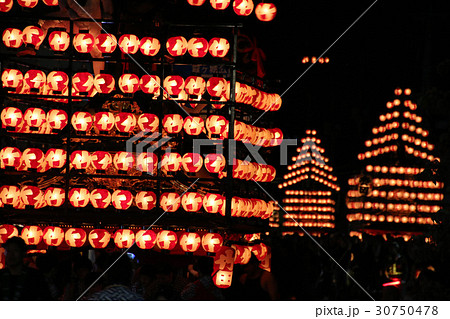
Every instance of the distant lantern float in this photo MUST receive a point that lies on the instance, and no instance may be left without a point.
(243, 7)
(122, 199)
(191, 201)
(214, 163)
(106, 43)
(80, 160)
(83, 42)
(10, 195)
(220, 4)
(196, 3)
(192, 162)
(123, 161)
(82, 121)
(104, 121)
(129, 43)
(145, 200)
(148, 122)
(35, 79)
(34, 117)
(99, 238)
(125, 122)
(33, 36)
(100, 198)
(145, 239)
(173, 85)
(57, 81)
(11, 118)
(32, 235)
(147, 162)
(56, 157)
(170, 202)
(10, 157)
(197, 47)
(172, 123)
(176, 46)
(171, 162)
(59, 40)
(6, 232)
(83, 82)
(30, 195)
(150, 84)
(101, 161)
(193, 125)
(54, 196)
(79, 197)
(166, 239)
(219, 47)
(129, 83)
(53, 236)
(32, 158)
(12, 78)
(124, 238)
(75, 237)
(6, 5)
(104, 83)
(190, 242)
(149, 46)
(216, 125)
(214, 203)
(27, 3)
(265, 11)
(212, 242)
(12, 38)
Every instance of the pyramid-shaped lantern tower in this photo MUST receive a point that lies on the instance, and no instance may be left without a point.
(309, 189)
(398, 191)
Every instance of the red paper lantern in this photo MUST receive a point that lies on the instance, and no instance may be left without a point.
(10, 156)
(104, 83)
(169, 202)
(10, 195)
(129, 83)
(147, 162)
(122, 199)
(260, 251)
(32, 158)
(53, 236)
(54, 196)
(191, 201)
(55, 158)
(123, 161)
(32, 235)
(195, 85)
(219, 47)
(83, 42)
(33, 35)
(243, 7)
(104, 121)
(145, 239)
(57, 119)
(197, 47)
(224, 259)
(34, 117)
(173, 85)
(100, 198)
(125, 122)
(99, 238)
(50, 3)
(35, 79)
(150, 46)
(243, 254)
(27, 3)
(79, 197)
(11, 117)
(150, 84)
(106, 43)
(212, 242)
(59, 40)
(145, 200)
(265, 11)
(6, 232)
(196, 2)
(83, 82)
(148, 122)
(193, 125)
(12, 38)
(30, 195)
(215, 163)
(190, 242)
(216, 125)
(80, 159)
(176, 46)
(220, 4)
(223, 278)
(6, 5)
(192, 162)
(171, 162)
(12, 78)
(75, 237)
(101, 160)
(166, 239)
(214, 203)
(129, 43)
(216, 87)
(124, 238)
(172, 123)
(82, 121)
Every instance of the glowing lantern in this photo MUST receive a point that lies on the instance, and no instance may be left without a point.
(176, 46)
(55, 157)
(32, 235)
(145, 200)
(192, 162)
(129, 83)
(10, 195)
(123, 161)
(124, 238)
(260, 251)
(59, 40)
(212, 242)
(215, 163)
(10, 157)
(147, 162)
(222, 278)
(145, 239)
(220, 4)
(50, 3)
(30, 195)
(11, 117)
(122, 199)
(149, 46)
(196, 2)
(12, 38)
(173, 84)
(191, 201)
(99, 238)
(79, 197)
(57, 119)
(34, 117)
(83, 42)
(6, 232)
(223, 267)
(54, 196)
(219, 47)
(104, 83)
(243, 254)
(75, 237)
(104, 121)
(277, 137)
(35, 79)
(53, 236)
(83, 82)
(32, 158)
(171, 162)
(216, 87)
(172, 123)
(106, 43)
(12, 78)
(265, 11)
(190, 242)
(101, 160)
(82, 121)
(150, 84)
(148, 122)
(33, 35)
(193, 125)
(27, 3)
(214, 203)
(169, 202)
(216, 125)
(125, 122)
(197, 47)
(129, 43)
(243, 7)
(80, 159)
(57, 81)
(6, 5)
(166, 239)
(195, 85)
(100, 198)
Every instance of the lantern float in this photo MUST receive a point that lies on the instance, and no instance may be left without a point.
(99, 238)
(265, 11)
(6, 5)
(53, 236)
(79, 197)
(59, 40)
(145, 239)
(80, 160)
(122, 199)
(176, 46)
(166, 239)
(148, 122)
(54, 196)
(124, 238)
(55, 158)
(104, 83)
(220, 4)
(32, 158)
(129, 83)
(214, 203)
(193, 125)
(129, 43)
(219, 47)
(11, 117)
(214, 163)
(212, 243)
(172, 123)
(145, 200)
(81, 121)
(191, 201)
(197, 47)
(100, 198)
(147, 162)
(150, 84)
(169, 202)
(125, 122)
(104, 122)
(32, 235)
(192, 162)
(12, 38)
(101, 161)
(243, 7)
(6, 232)
(190, 242)
(123, 161)
(149, 46)
(75, 237)
(171, 162)
(12, 78)
(83, 42)
(106, 43)
(33, 35)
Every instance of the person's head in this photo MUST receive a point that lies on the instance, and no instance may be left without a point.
(16, 250)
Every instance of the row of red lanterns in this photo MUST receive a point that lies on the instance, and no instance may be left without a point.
(6, 5)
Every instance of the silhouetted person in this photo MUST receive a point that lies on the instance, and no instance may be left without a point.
(258, 284)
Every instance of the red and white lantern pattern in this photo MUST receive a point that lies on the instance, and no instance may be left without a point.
(82, 121)
(75, 237)
(106, 43)
(12, 78)
(35, 79)
(214, 203)
(104, 83)
(59, 40)
(265, 11)
(54, 196)
(220, 4)
(124, 238)
(176, 46)
(27, 3)
(214, 163)
(171, 162)
(147, 162)
(170, 202)
(83, 42)
(11, 117)
(212, 242)
(193, 125)
(55, 157)
(150, 46)
(191, 201)
(12, 38)
(32, 235)
(104, 121)
(53, 236)
(190, 242)
(197, 47)
(6, 232)
(33, 35)
(192, 162)
(148, 122)
(223, 267)
(219, 47)
(100, 198)
(99, 238)
(196, 2)
(83, 82)
(166, 239)
(32, 158)
(10, 195)
(101, 160)
(150, 84)
(79, 197)
(34, 117)
(172, 123)
(145, 239)
(80, 159)
(6, 5)
(216, 124)
(123, 161)
(145, 200)
(129, 83)
(243, 7)
(125, 122)
(10, 157)
(173, 84)
(122, 199)
(243, 254)
(216, 87)
(129, 43)
(57, 119)
(195, 85)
